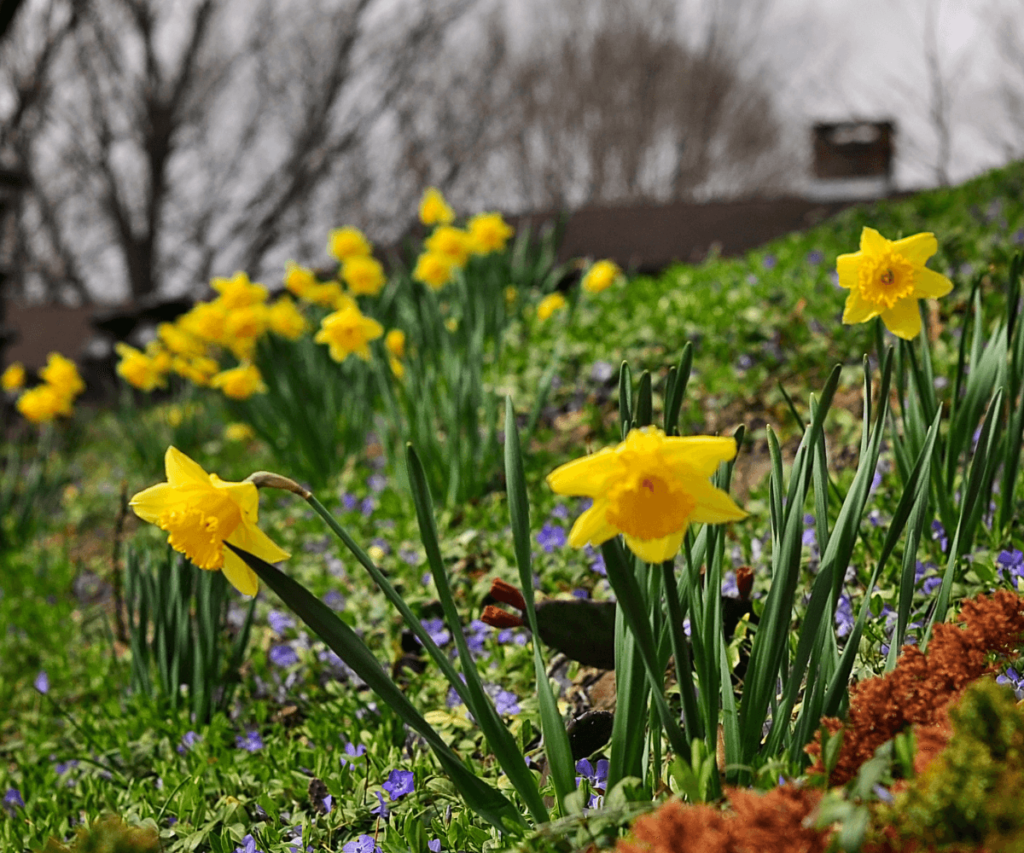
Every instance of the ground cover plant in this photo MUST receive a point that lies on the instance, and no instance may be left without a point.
(384, 689)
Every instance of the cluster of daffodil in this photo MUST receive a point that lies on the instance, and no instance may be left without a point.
(651, 489)
(55, 394)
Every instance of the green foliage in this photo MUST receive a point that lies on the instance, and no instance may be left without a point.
(970, 793)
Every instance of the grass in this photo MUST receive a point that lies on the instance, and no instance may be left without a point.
(88, 746)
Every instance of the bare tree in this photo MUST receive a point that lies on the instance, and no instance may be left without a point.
(187, 139)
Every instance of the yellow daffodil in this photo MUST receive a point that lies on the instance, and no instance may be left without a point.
(205, 321)
(433, 270)
(348, 331)
(299, 280)
(649, 488)
(246, 323)
(549, 305)
(286, 320)
(13, 378)
(397, 368)
(601, 276)
(348, 242)
(434, 209)
(42, 404)
(451, 242)
(198, 370)
(239, 432)
(394, 343)
(239, 383)
(138, 369)
(61, 374)
(201, 512)
(886, 278)
(162, 358)
(511, 295)
(180, 341)
(488, 232)
(238, 291)
(363, 275)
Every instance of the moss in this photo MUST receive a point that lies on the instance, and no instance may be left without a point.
(109, 834)
(971, 793)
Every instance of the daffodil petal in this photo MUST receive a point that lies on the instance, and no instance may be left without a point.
(151, 503)
(873, 243)
(182, 471)
(246, 495)
(930, 284)
(592, 526)
(903, 319)
(848, 267)
(714, 506)
(249, 537)
(858, 309)
(917, 248)
(656, 550)
(239, 574)
(585, 476)
(700, 454)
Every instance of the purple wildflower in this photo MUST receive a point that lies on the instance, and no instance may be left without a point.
(1015, 680)
(769, 261)
(279, 622)
(377, 482)
(282, 655)
(248, 846)
(250, 741)
(381, 809)
(437, 631)
(939, 534)
(350, 502)
(434, 845)
(334, 599)
(551, 536)
(12, 799)
(352, 752)
(362, 844)
(506, 703)
(602, 371)
(368, 506)
(400, 783)
(561, 512)
(844, 616)
(188, 740)
(42, 682)
(410, 556)
(815, 257)
(1011, 562)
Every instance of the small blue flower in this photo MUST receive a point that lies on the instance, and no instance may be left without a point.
(12, 799)
(349, 501)
(930, 584)
(282, 655)
(770, 262)
(506, 703)
(434, 845)
(815, 257)
(335, 600)
(437, 631)
(551, 536)
(362, 844)
(381, 809)
(561, 512)
(352, 752)
(400, 783)
(42, 682)
(410, 556)
(250, 741)
(377, 482)
(188, 740)
(939, 534)
(248, 846)
(1012, 678)
(279, 622)
(368, 506)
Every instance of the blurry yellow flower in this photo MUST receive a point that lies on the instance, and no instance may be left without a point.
(433, 270)
(180, 341)
(549, 305)
(434, 209)
(299, 280)
(451, 324)
(62, 375)
(488, 232)
(160, 356)
(375, 553)
(206, 321)
(42, 404)
(174, 415)
(286, 319)
(363, 275)
(348, 242)
(886, 278)
(394, 343)
(13, 378)
(601, 276)
(330, 295)
(197, 369)
(451, 242)
(138, 369)
(649, 488)
(511, 295)
(347, 331)
(201, 512)
(397, 368)
(239, 432)
(238, 291)
(245, 325)
(239, 383)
